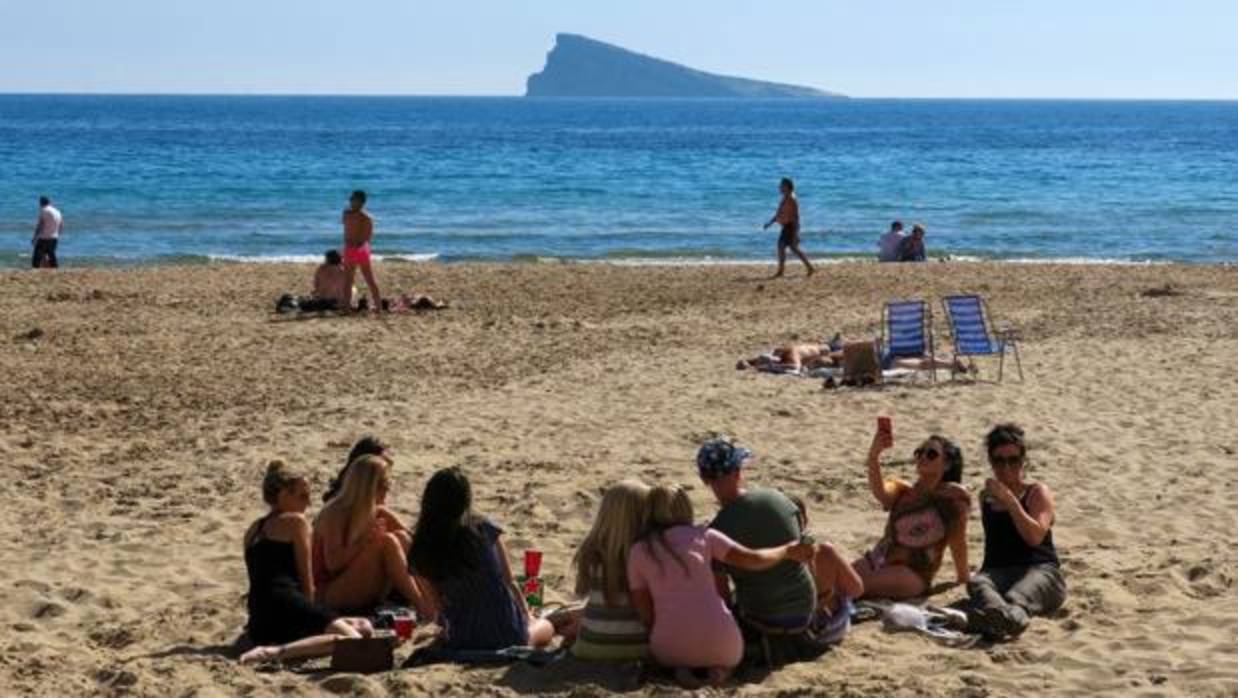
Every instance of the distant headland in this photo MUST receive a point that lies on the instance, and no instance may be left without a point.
(578, 66)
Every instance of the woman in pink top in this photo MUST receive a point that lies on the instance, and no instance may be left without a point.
(671, 583)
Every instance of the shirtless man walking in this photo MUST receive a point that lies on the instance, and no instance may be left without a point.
(788, 216)
(358, 232)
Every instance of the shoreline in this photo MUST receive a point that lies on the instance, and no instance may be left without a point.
(199, 261)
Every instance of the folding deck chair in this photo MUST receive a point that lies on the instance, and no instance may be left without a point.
(970, 327)
(907, 332)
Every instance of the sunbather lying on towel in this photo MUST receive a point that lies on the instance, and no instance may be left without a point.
(793, 358)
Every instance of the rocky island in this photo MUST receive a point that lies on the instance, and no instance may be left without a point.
(578, 66)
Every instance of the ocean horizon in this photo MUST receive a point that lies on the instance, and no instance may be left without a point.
(157, 179)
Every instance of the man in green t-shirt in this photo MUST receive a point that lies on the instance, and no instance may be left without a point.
(776, 608)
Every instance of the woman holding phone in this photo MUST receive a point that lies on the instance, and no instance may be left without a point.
(1021, 575)
(925, 518)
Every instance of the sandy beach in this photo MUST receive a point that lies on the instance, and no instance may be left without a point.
(141, 406)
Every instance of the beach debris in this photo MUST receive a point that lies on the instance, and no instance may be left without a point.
(1164, 291)
(31, 334)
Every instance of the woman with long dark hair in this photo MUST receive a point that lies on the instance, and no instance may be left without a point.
(463, 571)
(926, 517)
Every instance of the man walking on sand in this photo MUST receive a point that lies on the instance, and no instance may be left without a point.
(788, 216)
(358, 232)
(46, 235)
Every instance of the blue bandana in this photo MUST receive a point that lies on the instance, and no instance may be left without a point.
(719, 458)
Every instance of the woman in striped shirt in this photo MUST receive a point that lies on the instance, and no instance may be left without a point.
(609, 628)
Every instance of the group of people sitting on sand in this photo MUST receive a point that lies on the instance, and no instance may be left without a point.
(698, 600)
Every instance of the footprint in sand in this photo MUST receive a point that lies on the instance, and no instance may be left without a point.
(352, 685)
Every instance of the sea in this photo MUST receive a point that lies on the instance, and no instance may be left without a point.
(202, 179)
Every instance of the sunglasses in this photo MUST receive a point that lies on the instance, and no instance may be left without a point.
(926, 453)
(1005, 461)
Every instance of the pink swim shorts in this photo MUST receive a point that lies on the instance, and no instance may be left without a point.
(357, 256)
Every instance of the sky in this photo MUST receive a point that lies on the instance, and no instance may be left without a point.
(1175, 49)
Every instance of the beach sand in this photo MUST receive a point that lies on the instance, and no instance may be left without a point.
(141, 406)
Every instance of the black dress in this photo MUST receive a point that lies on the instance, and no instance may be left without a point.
(279, 611)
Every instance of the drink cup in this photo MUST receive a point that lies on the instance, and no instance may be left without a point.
(404, 625)
(532, 563)
(886, 426)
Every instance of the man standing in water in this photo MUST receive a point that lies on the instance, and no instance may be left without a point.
(46, 235)
(358, 232)
(788, 216)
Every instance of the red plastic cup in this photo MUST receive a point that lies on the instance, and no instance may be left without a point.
(403, 626)
(886, 426)
(532, 563)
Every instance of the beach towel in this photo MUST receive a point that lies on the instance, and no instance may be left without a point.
(436, 654)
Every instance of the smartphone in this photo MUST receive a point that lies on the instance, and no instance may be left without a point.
(886, 426)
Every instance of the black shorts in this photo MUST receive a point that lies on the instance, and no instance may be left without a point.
(790, 236)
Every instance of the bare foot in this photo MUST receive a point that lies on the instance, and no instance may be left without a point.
(258, 655)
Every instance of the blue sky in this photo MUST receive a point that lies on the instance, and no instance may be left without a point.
(882, 48)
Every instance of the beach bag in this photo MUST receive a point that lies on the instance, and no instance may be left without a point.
(901, 617)
(363, 655)
(861, 365)
(287, 303)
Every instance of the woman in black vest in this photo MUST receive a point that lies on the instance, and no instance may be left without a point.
(1020, 576)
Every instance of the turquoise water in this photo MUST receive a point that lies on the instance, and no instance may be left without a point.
(157, 179)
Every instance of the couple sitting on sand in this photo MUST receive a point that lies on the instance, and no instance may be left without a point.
(452, 566)
(699, 598)
(333, 291)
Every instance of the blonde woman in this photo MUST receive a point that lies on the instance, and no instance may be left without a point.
(670, 575)
(359, 545)
(609, 628)
(281, 590)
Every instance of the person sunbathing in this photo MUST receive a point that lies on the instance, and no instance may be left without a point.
(793, 358)
(284, 621)
(924, 519)
(360, 545)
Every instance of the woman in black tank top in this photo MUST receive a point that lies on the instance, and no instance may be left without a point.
(1021, 575)
(284, 621)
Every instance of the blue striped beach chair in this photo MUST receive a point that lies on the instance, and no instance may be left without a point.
(907, 332)
(971, 328)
